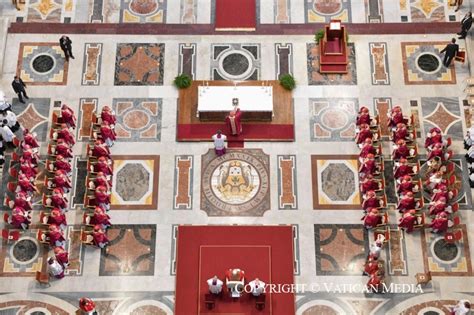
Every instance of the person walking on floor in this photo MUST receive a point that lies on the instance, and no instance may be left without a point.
(466, 24)
(66, 45)
(457, 3)
(19, 88)
(450, 51)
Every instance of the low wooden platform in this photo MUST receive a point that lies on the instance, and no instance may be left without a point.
(281, 128)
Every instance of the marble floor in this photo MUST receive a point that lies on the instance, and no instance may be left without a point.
(160, 183)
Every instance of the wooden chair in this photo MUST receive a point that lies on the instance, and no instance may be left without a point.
(454, 207)
(51, 150)
(448, 155)
(86, 239)
(15, 156)
(13, 172)
(260, 302)
(384, 220)
(8, 202)
(209, 300)
(16, 142)
(384, 233)
(6, 218)
(420, 221)
(43, 278)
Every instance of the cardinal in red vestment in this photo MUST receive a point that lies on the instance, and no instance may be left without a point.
(364, 133)
(371, 200)
(58, 200)
(434, 180)
(99, 237)
(62, 256)
(233, 122)
(28, 169)
(437, 206)
(366, 149)
(28, 155)
(100, 149)
(400, 133)
(30, 139)
(406, 185)
(100, 218)
(67, 116)
(108, 115)
(65, 133)
(363, 117)
(107, 134)
(408, 220)
(20, 218)
(58, 218)
(103, 166)
(433, 137)
(102, 197)
(56, 237)
(401, 151)
(62, 164)
(440, 223)
(402, 169)
(406, 202)
(100, 180)
(26, 185)
(22, 201)
(375, 283)
(441, 191)
(62, 148)
(396, 117)
(372, 218)
(61, 181)
(437, 152)
(371, 266)
(369, 166)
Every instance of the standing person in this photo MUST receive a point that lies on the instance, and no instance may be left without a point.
(457, 3)
(466, 24)
(462, 308)
(19, 88)
(257, 287)
(55, 269)
(219, 142)
(66, 45)
(450, 51)
(233, 122)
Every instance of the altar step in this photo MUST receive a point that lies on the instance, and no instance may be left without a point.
(235, 143)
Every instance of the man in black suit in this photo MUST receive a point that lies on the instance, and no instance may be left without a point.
(451, 50)
(466, 24)
(19, 88)
(66, 46)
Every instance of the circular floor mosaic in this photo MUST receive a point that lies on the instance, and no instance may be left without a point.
(25, 250)
(43, 63)
(445, 251)
(235, 184)
(428, 62)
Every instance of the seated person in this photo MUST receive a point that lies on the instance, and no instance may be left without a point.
(58, 200)
(215, 285)
(433, 137)
(29, 169)
(102, 197)
(107, 134)
(56, 236)
(437, 206)
(100, 149)
(99, 237)
(103, 166)
(30, 155)
(108, 115)
(257, 287)
(371, 200)
(406, 185)
(62, 164)
(66, 134)
(67, 116)
(363, 117)
(58, 218)
(30, 139)
(369, 166)
(437, 152)
(434, 180)
(372, 218)
(408, 221)
(26, 185)
(87, 307)
(364, 133)
(400, 133)
(440, 191)
(369, 183)
(406, 202)
(63, 148)
(401, 150)
(20, 218)
(367, 148)
(396, 117)
(61, 181)
(440, 223)
(100, 180)
(62, 256)
(100, 218)
(22, 201)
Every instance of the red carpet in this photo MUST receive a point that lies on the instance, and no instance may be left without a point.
(252, 132)
(261, 251)
(235, 15)
(234, 143)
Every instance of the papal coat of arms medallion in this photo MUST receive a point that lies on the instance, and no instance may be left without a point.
(235, 184)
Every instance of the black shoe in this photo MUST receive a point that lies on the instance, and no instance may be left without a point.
(458, 33)
(72, 57)
(27, 97)
(461, 37)
(22, 102)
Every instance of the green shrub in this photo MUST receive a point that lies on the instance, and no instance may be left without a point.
(182, 81)
(288, 82)
(318, 36)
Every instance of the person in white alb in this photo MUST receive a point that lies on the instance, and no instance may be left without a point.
(215, 285)
(257, 287)
(462, 308)
(55, 269)
(219, 142)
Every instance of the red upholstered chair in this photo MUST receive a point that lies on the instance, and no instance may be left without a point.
(210, 300)
(11, 187)
(6, 217)
(457, 235)
(460, 56)
(454, 193)
(13, 172)
(334, 38)
(260, 302)
(15, 156)
(448, 142)
(456, 221)
(8, 202)
(454, 207)
(14, 235)
(16, 142)
(5, 234)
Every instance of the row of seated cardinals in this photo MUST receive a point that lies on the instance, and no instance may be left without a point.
(58, 169)
(372, 189)
(99, 178)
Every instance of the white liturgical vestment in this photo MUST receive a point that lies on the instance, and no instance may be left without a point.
(215, 288)
(257, 288)
(219, 143)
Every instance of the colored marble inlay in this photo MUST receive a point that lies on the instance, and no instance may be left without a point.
(317, 78)
(42, 64)
(379, 63)
(139, 64)
(131, 251)
(139, 11)
(287, 192)
(282, 11)
(138, 119)
(235, 62)
(443, 113)
(374, 11)
(332, 119)
(97, 14)
(422, 64)
(87, 106)
(235, 184)
(183, 182)
(446, 259)
(92, 64)
(382, 107)
(187, 59)
(31, 307)
(322, 11)
(284, 59)
(33, 115)
(396, 254)
(140, 172)
(188, 13)
(44, 11)
(431, 307)
(334, 260)
(76, 251)
(427, 11)
(335, 182)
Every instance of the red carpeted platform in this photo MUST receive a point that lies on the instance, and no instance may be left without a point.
(236, 15)
(261, 251)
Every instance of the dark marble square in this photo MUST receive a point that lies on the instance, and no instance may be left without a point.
(67, 20)
(452, 18)
(19, 19)
(413, 103)
(404, 18)
(80, 182)
(131, 251)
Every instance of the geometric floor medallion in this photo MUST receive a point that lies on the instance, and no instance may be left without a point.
(235, 184)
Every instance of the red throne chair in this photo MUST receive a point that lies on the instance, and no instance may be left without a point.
(333, 49)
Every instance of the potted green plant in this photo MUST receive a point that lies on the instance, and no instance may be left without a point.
(182, 81)
(318, 36)
(288, 82)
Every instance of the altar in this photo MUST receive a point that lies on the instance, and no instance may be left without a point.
(215, 102)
